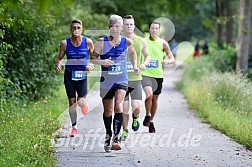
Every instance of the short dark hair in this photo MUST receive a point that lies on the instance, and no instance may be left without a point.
(128, 17)
(76, 21)
(154, 22)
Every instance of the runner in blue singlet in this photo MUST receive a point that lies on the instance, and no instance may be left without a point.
(112, 51)
(77, 48)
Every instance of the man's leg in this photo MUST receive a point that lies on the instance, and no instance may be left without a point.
(154, 106)
(107, 115)
(82, 102)
(70, 91)
(81, 87)
(125, 114)
(118, 118)
(118, 108)
(148, 104)
(136, 98)
(73, 116)
(136, 103)
(125, 119)
(153, 113)
(136, 109)
(107, 120)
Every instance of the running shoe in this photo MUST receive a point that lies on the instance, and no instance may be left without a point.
(146, 121)
(152, 128)
(116, 144)
(124, 135)
(73, 132)
(135, 123)
(107, 146)
(84, 110)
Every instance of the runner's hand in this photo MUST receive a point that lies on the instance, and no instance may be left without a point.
(89, 67)
(142, 67)
(167, 61)
(58, 69)
(107, 62)
(137, 71)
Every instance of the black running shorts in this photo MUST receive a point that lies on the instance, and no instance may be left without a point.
(110, 93)
(134, 90)
(73, 87)
(155, 83)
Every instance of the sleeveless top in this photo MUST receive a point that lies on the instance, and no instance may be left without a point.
(77, 57)
(156, 57)
(116, 73)
(137, 44)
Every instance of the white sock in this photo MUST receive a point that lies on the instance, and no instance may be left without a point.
(75, 126)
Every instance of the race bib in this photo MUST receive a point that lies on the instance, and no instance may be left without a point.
(78, 75)
(130, 67)
(153, 64)
(115, 69)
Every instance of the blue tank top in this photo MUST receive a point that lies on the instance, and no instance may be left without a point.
(117, 73)
(77, 57)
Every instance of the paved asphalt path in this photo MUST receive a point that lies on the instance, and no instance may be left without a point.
(181, 139)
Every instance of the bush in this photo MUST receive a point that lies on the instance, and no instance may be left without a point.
(195, 70)
(30, 64)
(231, 91)
(221, 99)
(224, 60)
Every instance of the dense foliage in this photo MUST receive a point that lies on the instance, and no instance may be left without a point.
(29, 62)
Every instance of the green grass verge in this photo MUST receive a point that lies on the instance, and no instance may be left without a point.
(26, 131)
(221, 99)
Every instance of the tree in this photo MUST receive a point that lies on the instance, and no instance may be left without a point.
(243, 36)
(251, 33)
(230, 22)
(30, 31)
(219, 13)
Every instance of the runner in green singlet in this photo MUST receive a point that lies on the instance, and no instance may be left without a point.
(153, 75)
(134, 85)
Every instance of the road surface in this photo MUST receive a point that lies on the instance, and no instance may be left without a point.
(181, 139)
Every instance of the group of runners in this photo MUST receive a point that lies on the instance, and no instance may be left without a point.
(129, 64)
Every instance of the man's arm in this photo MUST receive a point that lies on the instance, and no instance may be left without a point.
(132, 55)
(146, 55)
(168, 53)
(97, 52)
(90, 44)
(62, 51)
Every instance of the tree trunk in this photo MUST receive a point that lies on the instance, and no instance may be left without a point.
(219, 13)
(230, 22)
(243, 36)
(250, 50)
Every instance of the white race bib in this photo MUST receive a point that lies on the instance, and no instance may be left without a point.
(153, 64)
(115, 69)
(78, 75)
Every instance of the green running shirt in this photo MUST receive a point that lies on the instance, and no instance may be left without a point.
(137, 44)
(156, 54)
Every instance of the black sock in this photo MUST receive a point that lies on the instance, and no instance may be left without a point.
(117, 123)
(107, 123)
(73, 117)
